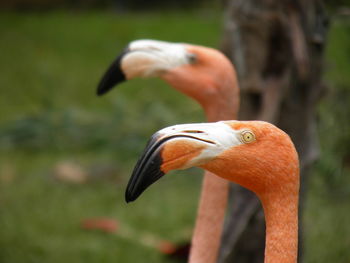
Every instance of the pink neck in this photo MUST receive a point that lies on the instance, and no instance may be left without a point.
(212, 205)
(210, 217)
(225, 105)
(219, 103)
(281, 214)
(219, 99)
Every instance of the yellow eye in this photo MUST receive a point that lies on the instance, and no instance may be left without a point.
(248, 136)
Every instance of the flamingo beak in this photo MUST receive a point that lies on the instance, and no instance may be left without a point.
(152, 164)
(144, 58)
(147, 169)
(178, 147)
(113, 76)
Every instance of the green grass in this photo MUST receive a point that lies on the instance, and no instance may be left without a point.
(49, 67)
(40, 217)
(55, 60)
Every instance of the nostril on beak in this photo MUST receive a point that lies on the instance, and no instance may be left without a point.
(193, 131)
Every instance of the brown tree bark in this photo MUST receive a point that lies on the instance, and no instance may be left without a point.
(277, 48)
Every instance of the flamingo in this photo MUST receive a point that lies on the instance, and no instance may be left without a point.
(207, 76)
(255, 154)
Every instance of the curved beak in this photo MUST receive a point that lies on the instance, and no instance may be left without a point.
(143, 58)
(147, 169)
(113, 76)
(178, 147)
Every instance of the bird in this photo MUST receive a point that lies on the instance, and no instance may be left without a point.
(254, 154)
(207, 76)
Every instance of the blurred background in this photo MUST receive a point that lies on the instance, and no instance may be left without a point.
(66, 155)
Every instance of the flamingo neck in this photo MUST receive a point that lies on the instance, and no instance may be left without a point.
(214, 193)
(220, 101)
(210, 217)
(281, 215)
(213, 114)
(218, 96)
(225, 105)
(212, 203)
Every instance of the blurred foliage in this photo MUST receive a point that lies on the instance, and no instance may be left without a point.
(328, 204)
(117, 5)
(71, 130)
(334, 5)
(52, 103)
(334, 110)
(50, 66)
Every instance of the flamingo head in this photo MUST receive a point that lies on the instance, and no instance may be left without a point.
(254, 154)
(202, 73)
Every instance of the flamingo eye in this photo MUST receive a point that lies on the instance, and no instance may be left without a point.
(247, 136)
(192, 58)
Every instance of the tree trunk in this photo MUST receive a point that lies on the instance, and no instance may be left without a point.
(277, 49)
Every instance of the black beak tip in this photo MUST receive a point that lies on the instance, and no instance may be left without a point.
(113, 75)
(129, 197)
(146, 172)
(100, 91)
